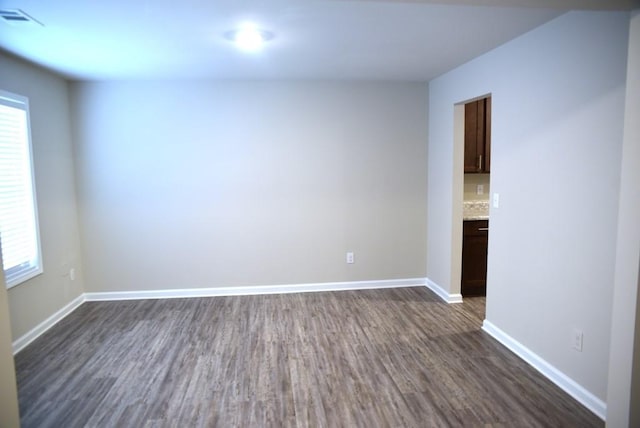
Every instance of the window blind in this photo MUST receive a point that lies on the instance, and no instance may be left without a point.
(19, 235)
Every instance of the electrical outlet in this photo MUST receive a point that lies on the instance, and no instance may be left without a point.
(64, 269)
(496, 200)
(350, 258)
(72, 274)
(578, 336)
(480, 189)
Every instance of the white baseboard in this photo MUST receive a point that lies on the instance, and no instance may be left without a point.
(253, 290)
(449, 298)
(571, 387)
(20, 343)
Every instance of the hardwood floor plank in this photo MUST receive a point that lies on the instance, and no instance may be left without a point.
(368, 358)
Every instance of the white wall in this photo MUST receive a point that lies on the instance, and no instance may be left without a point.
(558, 103)
(203, 184)
(623, 393)
(37, 299)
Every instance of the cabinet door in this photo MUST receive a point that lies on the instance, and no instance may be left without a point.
(474, 136)
(471, 137)
(474, 258)
(487, 135)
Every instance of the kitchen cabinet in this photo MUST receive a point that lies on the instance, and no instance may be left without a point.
(475, 237)
(477, 136)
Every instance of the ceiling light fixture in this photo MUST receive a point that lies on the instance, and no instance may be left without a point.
(248, 37)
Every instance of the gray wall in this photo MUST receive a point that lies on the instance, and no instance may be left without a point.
(37, 299)
(623, 394)
(10, 417)
(558, 102)
(203, 184)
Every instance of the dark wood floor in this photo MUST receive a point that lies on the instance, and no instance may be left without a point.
(376, 358)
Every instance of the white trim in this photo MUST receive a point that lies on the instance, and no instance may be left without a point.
(568, 385)
(449, 298)
(20, 343)
(253, 290)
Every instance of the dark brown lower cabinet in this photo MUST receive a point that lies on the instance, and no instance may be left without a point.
(475, 237)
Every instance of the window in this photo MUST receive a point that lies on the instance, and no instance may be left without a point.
(18, 214)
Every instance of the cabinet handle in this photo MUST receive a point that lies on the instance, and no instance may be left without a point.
(480, 163)
(483, 229)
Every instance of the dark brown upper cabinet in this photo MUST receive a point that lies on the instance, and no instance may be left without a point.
(477, 136)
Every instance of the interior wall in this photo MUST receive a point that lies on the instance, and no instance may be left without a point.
(37, 299)
(557, 108)
(10, 416)
(623, 393)
(634, 411)
(210, 184)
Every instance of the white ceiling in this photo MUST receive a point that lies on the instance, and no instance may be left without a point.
(314, 39)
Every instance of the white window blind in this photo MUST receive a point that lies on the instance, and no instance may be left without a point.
(18, 214)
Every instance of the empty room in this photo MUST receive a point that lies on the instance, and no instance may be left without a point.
(322, 213)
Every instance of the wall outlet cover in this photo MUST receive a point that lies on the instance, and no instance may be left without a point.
(578, 337)
(350, 258)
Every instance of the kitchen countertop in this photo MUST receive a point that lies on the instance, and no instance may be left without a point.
(475, 210)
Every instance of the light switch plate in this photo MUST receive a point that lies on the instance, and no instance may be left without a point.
(496, 200)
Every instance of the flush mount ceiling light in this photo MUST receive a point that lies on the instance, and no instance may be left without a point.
(248, 37)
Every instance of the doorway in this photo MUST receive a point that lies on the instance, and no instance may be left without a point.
(471, 191)
(477, 172)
